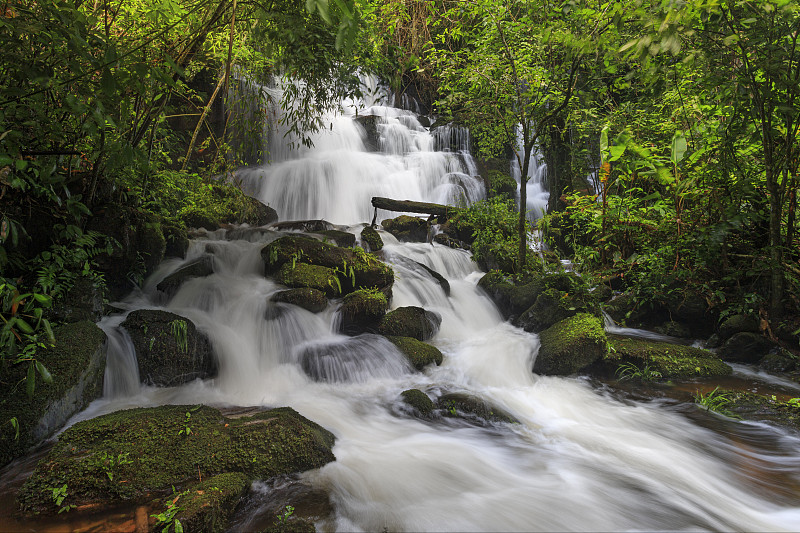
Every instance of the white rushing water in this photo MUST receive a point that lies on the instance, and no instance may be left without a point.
(579, 459)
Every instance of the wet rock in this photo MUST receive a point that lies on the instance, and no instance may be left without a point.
(418, 353)
(552, 306)
(372, 238)
(570, 345)
(410, 321)
(361, 311)
(738, 324)
(169, 348)
(446, 240)
(76, 363)
(309, 299)
(674, 329)
(778, 362)
(626, 311)
(315, 277)
(208, 506)
(441, 280)
(461, 405)
(310, 226)
(459, 231)
(354, 359)
(128, 455)
(253, 212)
(746, 347)
(418, 400)
(341, 238)
(499, 289)
(372, 138)
(750, 406)
(669, 360)
(199, 268)
(407, 228)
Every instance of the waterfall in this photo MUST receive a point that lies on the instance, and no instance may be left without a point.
(579, 458)
(536, 186)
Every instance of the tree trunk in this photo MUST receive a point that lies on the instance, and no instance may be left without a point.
(775, 245)
(523, 203)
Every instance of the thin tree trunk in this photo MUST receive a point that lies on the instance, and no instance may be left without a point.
(200, 122)
(523, 203)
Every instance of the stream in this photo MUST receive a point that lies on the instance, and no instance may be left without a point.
(583, 457)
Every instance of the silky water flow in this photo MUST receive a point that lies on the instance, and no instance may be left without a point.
(580, 457)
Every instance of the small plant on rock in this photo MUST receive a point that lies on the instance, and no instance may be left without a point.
(716, 401)
(627, 371)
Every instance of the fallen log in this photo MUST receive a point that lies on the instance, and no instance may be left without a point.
(410, 206)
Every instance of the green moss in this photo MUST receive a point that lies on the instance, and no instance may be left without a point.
(77, 380)
(311, 276)
(341, 238)
(407, 228)
(570, 345)
(460, 405)
(309, 299)
(373, 239)
(410, 321)
(418, 400)
(171, 446)
(420, 354)
(671, 360)
(208, 506)
(751, 406)
(195, 217)
(302, 248)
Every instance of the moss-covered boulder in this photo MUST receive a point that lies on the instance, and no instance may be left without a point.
(692, 312)
(341, 238)
(746, 347)
(751, 406)
(309, 299)
(460, 405)
(198, 268)
(208, 506)
(570, 345)
(552, 306)
(671, 361)
(131, 455)
(410, 321)
(407, 228)
(76, 364)
(499, 289)
(361, 311)
(738, 324)
(418, 401)
(170, 350)
(310, 276)
(310, 226)
(195, 217)
(418, 353)
(372, 239)
(779, 361)
(355, 268)
(83, 301)
(250, 211)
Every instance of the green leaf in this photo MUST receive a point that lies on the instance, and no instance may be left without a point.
(178, 526)
(604, 143)
(678, 148)
(24, 326)
(46, 377)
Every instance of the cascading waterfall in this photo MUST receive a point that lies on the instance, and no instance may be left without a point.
(538, 195)
(579, 458)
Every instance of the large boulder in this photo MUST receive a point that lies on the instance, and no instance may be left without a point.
(746, 347)
(83, 301)
(315, 277)
(418, 353)
(361, 311)
(76, 363)
(670, 361)
(552, 306)
(135, 454)
(570, 345)
(372, 238)
(418, 401)
(410, 321)
(198, 268)
(738, 324)
(407, 228)
(170, 350)
(309, 299)
(466, 406)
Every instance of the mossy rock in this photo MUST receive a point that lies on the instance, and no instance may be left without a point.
(459, 405)
(354, 268)
(552, 306)
(310, 226)
(76, 364)
(310, 276)
(170, 350)
(670, 360)
(779, 362)
(499, 289)
(407, 228)
(501, 184)
(198, 268)
(738, 324)
(83, 301)
(361, 311)
(410, 321)
(672, 328)
(418, 400)
(209, 505)
(196, 217)
(341, 238)
(313, 300)
(692, 311)
(373, 239)
(570, 345)
(248, 210)
(419, 354)
(746, 347)
(757, 407)
(292, 525)
(132, 454)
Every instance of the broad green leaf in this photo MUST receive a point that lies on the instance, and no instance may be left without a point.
(30, 380)
(678, 148)
(46, 377)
